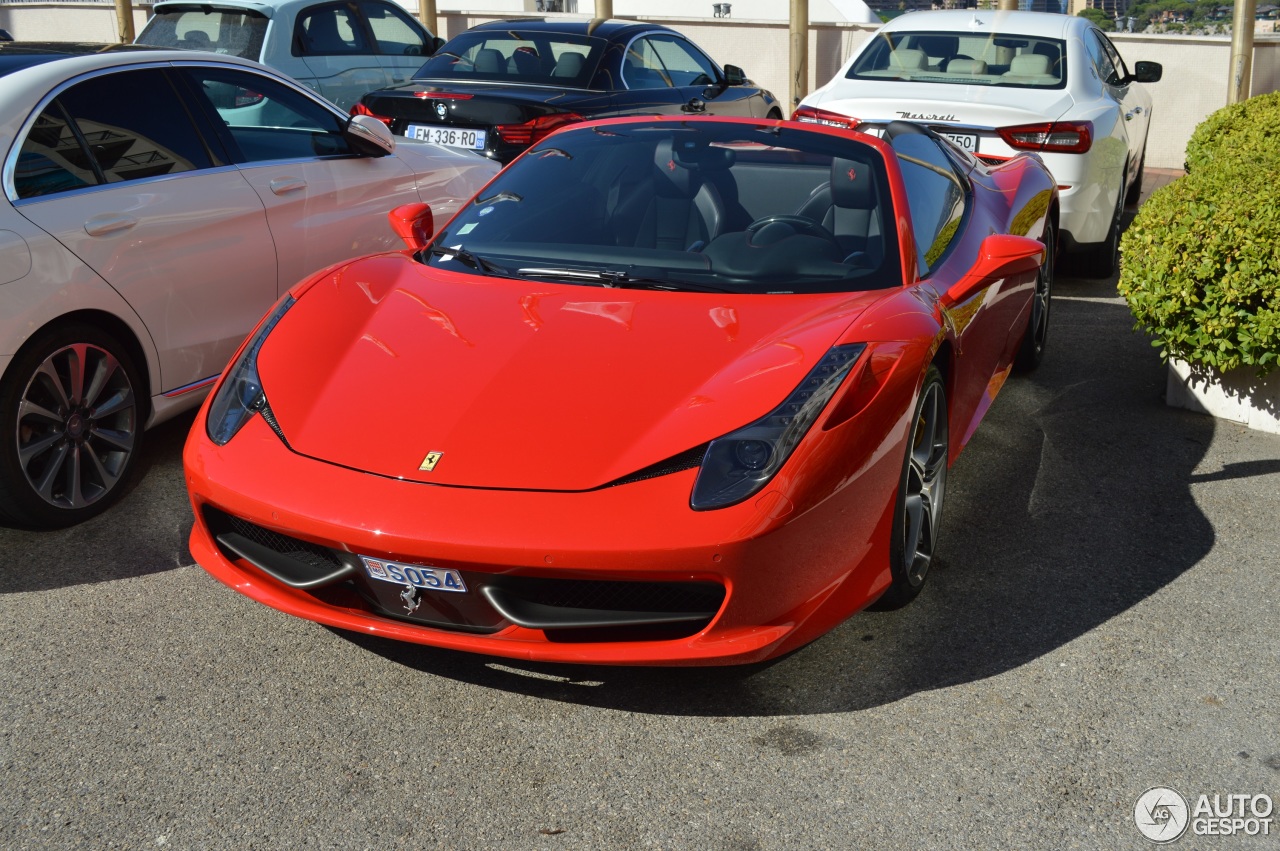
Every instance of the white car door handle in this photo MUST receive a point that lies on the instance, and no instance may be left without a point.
(281, 185)
(108, 223)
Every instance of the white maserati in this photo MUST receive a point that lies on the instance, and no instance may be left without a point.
(1000, 82)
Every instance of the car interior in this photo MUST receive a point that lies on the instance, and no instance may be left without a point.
(749, 213)
(988, 59)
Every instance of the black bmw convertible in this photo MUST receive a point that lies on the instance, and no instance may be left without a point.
(500, 87)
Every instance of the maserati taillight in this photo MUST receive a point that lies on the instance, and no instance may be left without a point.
(1064, 137)
(813, 115)
(532, 132)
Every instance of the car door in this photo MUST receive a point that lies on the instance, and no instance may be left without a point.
(1135, 102)
(341, 62)
(1111, 139)
(402, 44)
(700, 81)
(115, 170)
(647, 86)
(324, 203)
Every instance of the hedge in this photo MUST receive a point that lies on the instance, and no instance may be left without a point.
(1200, 264)
(1249, 129)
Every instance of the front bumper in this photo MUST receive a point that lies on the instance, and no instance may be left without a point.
(730, 586)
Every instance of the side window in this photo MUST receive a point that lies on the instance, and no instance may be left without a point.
(134, 127)
(1120, 69)
(261, 119)
(1100, 59)
(684, 63)
(393, 31)
(641, 67)
(330, 30)
(935, 193)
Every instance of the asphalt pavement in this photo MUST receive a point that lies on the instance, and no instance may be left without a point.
(1103, 619)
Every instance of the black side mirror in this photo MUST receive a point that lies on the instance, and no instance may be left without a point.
(1147, 72)
(733, 75)
(434, 44)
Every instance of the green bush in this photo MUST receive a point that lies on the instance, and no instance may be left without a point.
(1200, 266)
(1249, 130)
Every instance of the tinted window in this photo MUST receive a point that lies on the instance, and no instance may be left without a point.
(684, 64)
(934, 192)
(237, 33)
(689, 205)
(329, 31)
(394, 33)
(1118, 69)
(985, 59)
(556, 59)
(1101, 61)
(134, 127)
(261, 119)
(642, 69)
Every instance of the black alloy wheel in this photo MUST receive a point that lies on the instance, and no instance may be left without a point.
(70, 427)
(917, 513)
(1031, 352)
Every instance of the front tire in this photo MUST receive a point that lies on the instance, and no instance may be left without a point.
(921, 488)
(70, 427)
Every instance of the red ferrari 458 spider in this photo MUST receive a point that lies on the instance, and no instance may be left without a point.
(666, 391)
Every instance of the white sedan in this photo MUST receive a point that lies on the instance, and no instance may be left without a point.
(1001, 82)
(157, 202)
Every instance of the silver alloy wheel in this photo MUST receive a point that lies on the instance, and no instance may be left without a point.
(925, 481)
(77, 426)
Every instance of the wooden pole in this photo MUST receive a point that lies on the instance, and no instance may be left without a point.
(604, 9)
(124, 21)
(799, 53)
(427, 14)
(1241, 51)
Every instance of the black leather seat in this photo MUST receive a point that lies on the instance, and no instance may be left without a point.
(847, 207)
(675, 207)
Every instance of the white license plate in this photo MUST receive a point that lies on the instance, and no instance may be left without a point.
(417, 575)
(451, 136)
(968, 141)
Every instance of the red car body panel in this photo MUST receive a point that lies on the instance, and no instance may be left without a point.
(554, 390)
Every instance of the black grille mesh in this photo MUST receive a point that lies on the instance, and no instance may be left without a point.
(312, 555)
(618, 596)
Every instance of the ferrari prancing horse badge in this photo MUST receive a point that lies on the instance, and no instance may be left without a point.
(429, 463)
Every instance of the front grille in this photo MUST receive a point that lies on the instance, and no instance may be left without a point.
(675, 597)
(312, 555)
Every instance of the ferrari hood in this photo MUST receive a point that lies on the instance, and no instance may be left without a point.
(940, 104)
(529, 384)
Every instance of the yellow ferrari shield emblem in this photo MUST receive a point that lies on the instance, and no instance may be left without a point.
(429, 463)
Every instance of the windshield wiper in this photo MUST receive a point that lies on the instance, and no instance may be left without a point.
(618, 279)
(465, 257)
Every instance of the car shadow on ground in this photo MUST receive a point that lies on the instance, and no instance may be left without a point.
(1070, 505)
(146, 532)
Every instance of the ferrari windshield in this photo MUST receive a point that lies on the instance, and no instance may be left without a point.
(969, 59)
(698, 205)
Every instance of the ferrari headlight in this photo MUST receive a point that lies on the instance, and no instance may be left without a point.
(240, 395)
(742, 462)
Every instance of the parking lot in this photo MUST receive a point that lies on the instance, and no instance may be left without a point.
(1103, 620)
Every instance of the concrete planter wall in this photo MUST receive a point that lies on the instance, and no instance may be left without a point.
(1239, 396)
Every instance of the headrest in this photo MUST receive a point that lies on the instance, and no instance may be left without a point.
(1029, 65)
(702, 157)
(906, 58)
(568, 65)
(490, 61)
(851, 184)
(679, 177)
(966, 66)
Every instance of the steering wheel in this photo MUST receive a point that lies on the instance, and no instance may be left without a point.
(798, 224)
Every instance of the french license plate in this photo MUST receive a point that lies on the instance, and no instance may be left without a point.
(417, 575)
(451, 136)
(968, 141)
